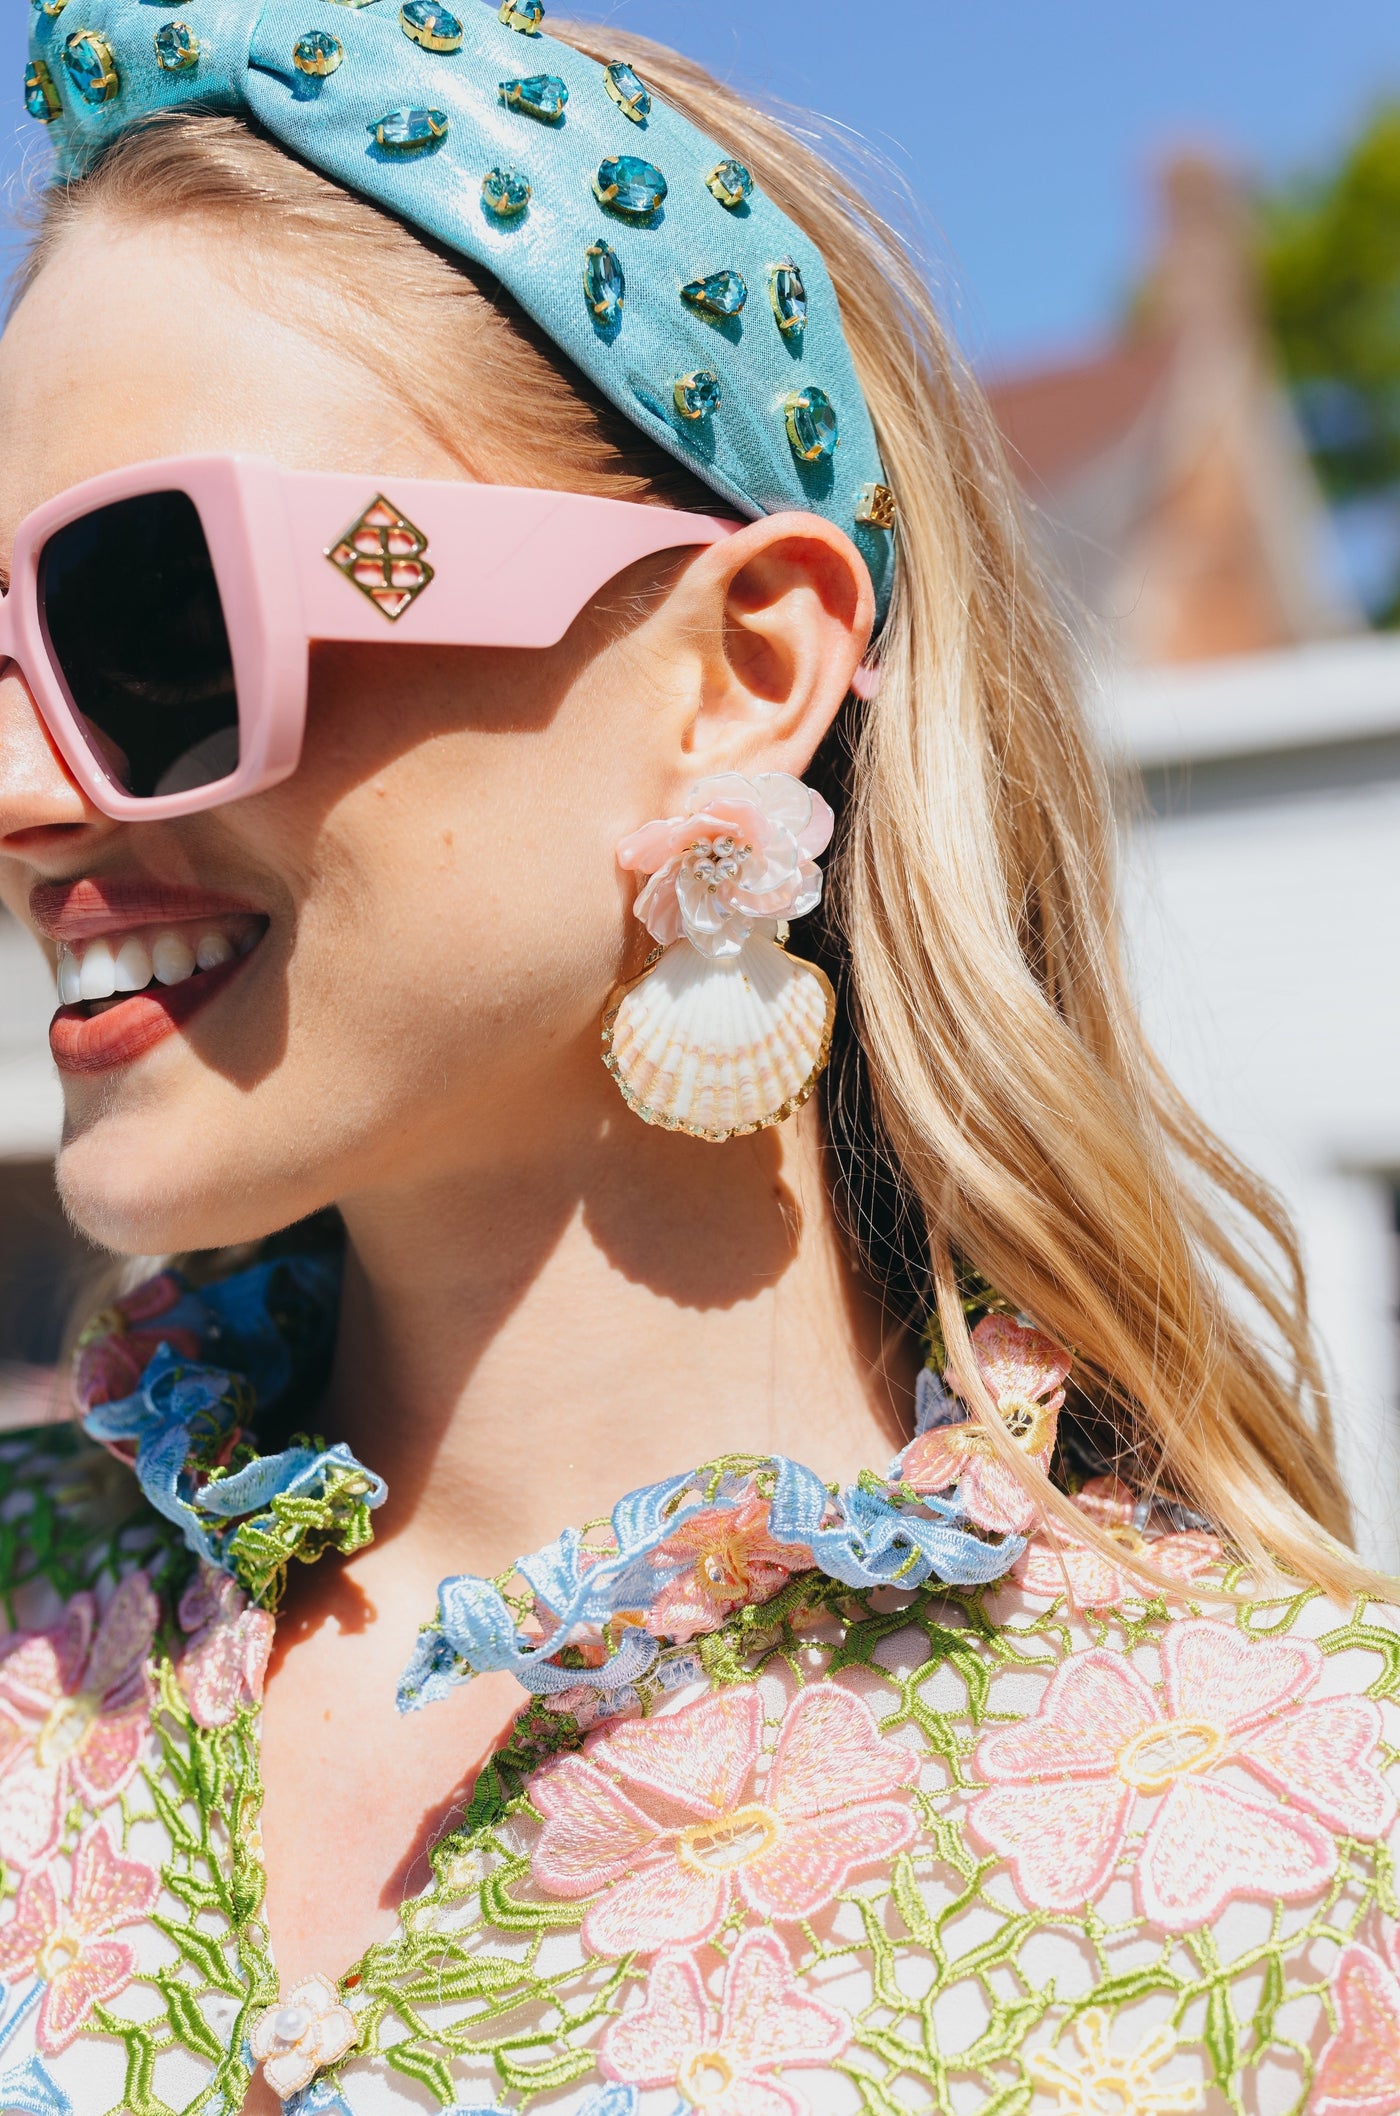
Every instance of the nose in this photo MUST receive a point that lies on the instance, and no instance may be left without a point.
(41, 806)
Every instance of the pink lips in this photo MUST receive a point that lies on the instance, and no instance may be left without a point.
(83, 910)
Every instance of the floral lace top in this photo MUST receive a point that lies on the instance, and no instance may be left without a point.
(824, 1801)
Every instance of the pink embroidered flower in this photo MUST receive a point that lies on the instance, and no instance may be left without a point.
(311, 2027)
(745, 849)
(1358, 2073)
(224, 1664)
(1024, 1373)
(113, 1352)
(664, 1816)
(735, 1561)
(75, 1714)
(1056, 1563)
(1066, 1784)
(67, 1947)
(722, 2059)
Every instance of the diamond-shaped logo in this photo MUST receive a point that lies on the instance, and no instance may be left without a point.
(382, 553)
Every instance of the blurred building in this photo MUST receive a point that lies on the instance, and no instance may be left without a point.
(1257, 733)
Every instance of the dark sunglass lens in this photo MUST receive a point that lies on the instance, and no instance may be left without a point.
(131, 608)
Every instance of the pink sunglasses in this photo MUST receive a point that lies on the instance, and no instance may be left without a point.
(161, 615)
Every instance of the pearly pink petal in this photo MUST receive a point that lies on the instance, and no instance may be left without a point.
(831, 1752)
(124, 1635)
(766, 2018)
(1216, 1673)
(1061, 1841)
(104, 1968)
(701, 1757)
(1208, 1844)
(42, 1667)
(331, 2035)
(31, 1815)
(1358, 2073)
(937, 1459)
(649, 2045)
(994, 1497)
(289, 2071)
(109, 1890)
(1324, 1757)
(647, 851)
(662, 1904)
(814, 1857)
(1096, 1703)
(256, 1629)
(1016, 1361)
(658, 908)
(592, 1832)
(34, 1921)
(683, 1610)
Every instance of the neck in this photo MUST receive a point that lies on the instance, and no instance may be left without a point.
(521, 1346)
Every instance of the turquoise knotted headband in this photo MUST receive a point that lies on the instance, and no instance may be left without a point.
(639, 245)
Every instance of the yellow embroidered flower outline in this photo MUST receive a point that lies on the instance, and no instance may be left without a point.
(1106, 2084)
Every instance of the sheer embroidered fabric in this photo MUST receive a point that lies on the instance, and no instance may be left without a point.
(846, 1848)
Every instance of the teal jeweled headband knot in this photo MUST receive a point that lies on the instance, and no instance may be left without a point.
(638, 244)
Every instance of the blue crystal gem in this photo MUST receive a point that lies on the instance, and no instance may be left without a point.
(434, 27)
(789, 299)
(91, 66)
(811, 425)
(722, 294)
(40, 95)
(629, 186)
(317, 53)
(540, 95)
(410, 131)
(506, 192)
(731, 184)
(628, 91)
(698, 396)
(604, 283)
(524, 15)
(177, 47)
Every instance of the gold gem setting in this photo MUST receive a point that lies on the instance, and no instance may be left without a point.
(382, 554)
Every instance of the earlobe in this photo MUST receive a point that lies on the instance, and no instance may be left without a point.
(796, 610)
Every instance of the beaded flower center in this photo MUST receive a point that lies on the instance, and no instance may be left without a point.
(1126, 1537)
(705, 2076)
(722, 1571)
(65, 1728)
(714, 861)
(719, 1847)
(1162, 1753)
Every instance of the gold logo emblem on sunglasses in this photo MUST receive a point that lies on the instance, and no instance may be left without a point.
(382, 553)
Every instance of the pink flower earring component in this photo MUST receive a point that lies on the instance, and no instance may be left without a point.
(724, 1032)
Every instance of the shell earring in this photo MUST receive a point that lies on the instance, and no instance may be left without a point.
(724, 1032)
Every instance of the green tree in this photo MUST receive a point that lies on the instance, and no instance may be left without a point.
(1331, 272)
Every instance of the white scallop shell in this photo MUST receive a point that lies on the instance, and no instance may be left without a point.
(714, 1047)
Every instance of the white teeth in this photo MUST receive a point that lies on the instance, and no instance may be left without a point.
(99, 972)
(213, 949)
(172, 959)
(133, 966)
(70, 978)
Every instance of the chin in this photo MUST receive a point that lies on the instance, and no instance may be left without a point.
(137, 1193)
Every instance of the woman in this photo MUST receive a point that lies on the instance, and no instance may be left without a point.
(1050, 1768)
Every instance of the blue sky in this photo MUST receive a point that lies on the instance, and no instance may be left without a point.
(1028, 129)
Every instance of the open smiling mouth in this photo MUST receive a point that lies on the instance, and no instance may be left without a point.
(122, 993)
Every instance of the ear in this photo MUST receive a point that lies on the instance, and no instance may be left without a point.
(777, 619)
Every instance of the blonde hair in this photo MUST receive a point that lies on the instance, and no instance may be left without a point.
(997, 1087)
